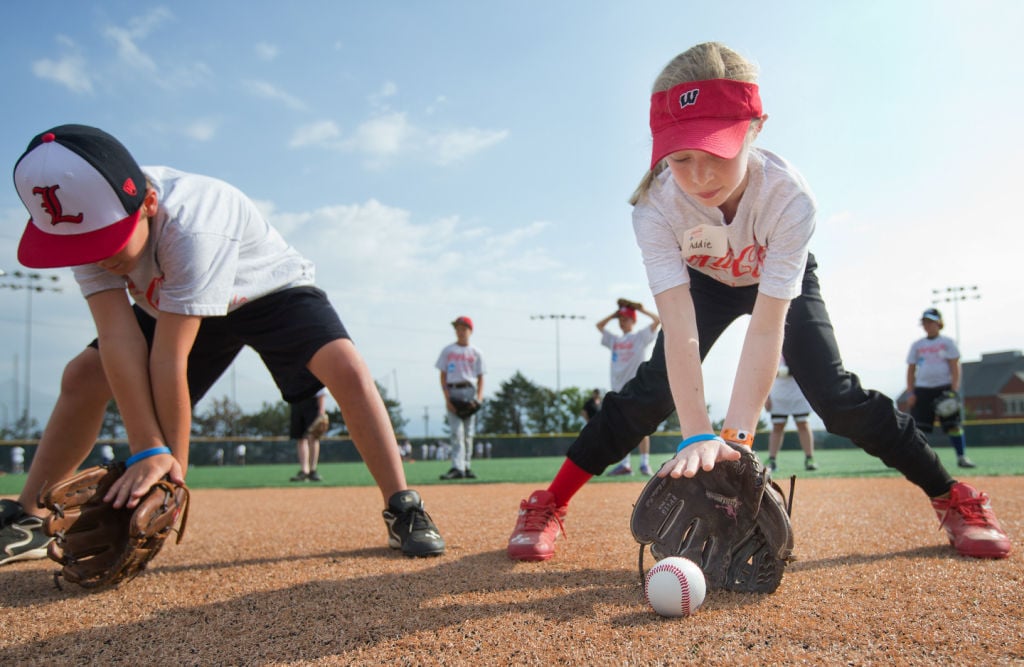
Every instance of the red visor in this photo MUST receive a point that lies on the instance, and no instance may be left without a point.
(711, 116)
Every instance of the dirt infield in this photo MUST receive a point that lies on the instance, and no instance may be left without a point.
(303, 576)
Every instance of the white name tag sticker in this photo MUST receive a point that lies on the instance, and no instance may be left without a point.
(706, 240)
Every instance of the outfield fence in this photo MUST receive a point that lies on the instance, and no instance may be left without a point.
(204, 451)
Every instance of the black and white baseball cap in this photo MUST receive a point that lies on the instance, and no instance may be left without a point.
(84, 193)
(932, 314)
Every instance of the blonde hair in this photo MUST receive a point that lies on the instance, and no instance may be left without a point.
(710, 60)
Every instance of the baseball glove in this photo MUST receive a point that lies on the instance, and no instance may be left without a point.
(98, 545)
(947, 404)
(319, 426)
(731, 520)
(626, 303)
(466, 408)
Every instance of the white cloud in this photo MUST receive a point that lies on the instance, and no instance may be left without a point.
(319, 133)
(201, 130)
(382, 137)
(269, 91)
(70, 71)
(126, 39)
(439, 101)
(457, 145)
(379, 97)
(265, 51)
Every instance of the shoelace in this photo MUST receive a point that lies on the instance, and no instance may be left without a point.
(973, 511)
(536, 517)
(418, 519)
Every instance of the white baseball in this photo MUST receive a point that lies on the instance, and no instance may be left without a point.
(675, 587)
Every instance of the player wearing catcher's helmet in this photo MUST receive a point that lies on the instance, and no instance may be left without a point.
(724, 229)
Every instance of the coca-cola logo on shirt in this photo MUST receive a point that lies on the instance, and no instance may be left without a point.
(748, 262)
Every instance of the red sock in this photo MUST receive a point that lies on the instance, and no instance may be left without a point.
(567, 482)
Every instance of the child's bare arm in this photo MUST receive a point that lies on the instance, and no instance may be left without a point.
(682, 359)
(125, 357)
(758, 364)
(168, 369)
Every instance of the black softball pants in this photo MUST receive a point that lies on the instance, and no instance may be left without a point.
(868, 418)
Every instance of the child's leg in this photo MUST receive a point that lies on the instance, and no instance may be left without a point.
(457, 427)
(340, 367)
(776, 437)
(467, 455)
(806, 435)
(868, 418)
(314, 453)
(72, 428)
(302, 450)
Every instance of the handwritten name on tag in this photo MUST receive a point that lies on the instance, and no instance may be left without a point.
(706, 240)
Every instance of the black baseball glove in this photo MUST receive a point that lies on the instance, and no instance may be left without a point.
(731, 520)
(466, 408)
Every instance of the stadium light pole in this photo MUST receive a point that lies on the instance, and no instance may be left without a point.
(955, 295)
(30, 282)
(558, 343)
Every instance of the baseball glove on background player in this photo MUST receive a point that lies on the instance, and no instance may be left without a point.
(626, 303)
(317, 429)
(731, 520)
(98, 545)
(947, 404)
(466, 408)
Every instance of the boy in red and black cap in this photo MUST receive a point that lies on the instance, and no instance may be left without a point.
(180, 271)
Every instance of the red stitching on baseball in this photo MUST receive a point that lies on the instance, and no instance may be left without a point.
(684, 585)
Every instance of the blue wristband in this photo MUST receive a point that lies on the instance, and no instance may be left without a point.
(146, 453)
(696, 438)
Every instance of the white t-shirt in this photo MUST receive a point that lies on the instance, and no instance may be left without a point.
(767, 238)
(786, 397)
(460, 363)
(628, 352)
(209, 252)
(931, 357)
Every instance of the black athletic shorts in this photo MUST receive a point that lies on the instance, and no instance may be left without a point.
(303, 414)
(285, 328)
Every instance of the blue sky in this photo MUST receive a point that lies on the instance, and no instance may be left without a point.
(449, 158)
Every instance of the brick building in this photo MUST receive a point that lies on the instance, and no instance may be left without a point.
(993, 388)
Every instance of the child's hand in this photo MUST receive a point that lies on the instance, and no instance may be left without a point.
(700, 455)
(140, 477)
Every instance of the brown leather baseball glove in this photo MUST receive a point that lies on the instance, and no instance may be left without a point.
(98, 545)
(626, 303)
(319, 426)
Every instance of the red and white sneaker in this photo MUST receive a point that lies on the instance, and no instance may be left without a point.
(537, 528)
(970, 524)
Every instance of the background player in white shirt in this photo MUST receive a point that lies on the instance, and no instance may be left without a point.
(629, 350)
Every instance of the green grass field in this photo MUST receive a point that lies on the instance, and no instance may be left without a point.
(540, 470)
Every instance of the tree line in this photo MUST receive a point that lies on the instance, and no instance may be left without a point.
(519, 407)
